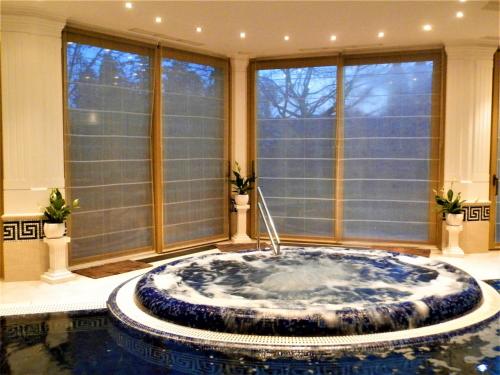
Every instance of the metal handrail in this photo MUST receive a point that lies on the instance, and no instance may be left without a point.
(269, 223)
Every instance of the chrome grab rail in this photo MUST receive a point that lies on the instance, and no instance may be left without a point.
(269, 223)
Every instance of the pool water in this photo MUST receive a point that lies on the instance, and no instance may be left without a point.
(89, 343)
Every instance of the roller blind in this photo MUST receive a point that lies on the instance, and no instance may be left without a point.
(109, 163)
(194, 152)
(375, 181)
(389, 157)
(295, 129)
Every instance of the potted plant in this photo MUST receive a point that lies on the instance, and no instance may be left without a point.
(451, 205)
(241, 186)
(56, 214)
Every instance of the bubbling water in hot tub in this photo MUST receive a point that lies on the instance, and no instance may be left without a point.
(313, 292)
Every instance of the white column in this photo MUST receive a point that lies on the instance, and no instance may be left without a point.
(32, 108)
(469, 79)
(241, 225)
(468, 120)
(58, 261)
(453, 248)
(239, 111)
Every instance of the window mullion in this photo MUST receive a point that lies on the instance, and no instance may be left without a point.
(157, 166)
(339, 142)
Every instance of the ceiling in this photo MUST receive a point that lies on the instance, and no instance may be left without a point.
(309, 24)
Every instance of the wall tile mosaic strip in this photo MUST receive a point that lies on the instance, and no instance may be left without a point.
(25, 229)
(477, 212)
(18, 230)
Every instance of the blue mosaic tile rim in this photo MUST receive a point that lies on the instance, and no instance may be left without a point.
(141, 331)
(397, 316)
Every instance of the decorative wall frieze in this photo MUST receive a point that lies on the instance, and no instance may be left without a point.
(477, 212)
(23, 229)
(27, 227)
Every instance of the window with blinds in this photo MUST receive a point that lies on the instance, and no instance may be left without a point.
(109, 162)
(194, 151)
(366, 175)
(295, 121)
(389, 165)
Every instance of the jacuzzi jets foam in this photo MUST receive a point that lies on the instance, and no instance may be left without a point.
(307, 292)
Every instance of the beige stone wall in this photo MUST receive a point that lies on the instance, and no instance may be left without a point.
(25, 260)
(475, 235)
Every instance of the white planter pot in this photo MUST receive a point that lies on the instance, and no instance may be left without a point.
(454, 219)
(52, 230)
(241, 200)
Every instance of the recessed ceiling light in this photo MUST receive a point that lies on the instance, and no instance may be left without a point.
(129, 5)
(286, 38)
(381, 34)
(158, 19)
(199, 29)
(462, 1)
(243, 35)
(460, 14)
(333, 38)
(427, 27)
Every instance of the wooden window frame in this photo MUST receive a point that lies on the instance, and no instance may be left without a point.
(495, 114)
(340, 60)
(155, 52)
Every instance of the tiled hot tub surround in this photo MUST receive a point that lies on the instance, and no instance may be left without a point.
(370, 318)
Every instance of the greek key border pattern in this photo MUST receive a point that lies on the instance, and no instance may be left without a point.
(476, 213)
(22, 230)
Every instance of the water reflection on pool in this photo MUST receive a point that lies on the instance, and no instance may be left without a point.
(88, 343)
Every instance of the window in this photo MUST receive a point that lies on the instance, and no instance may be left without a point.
(194, 151)
(109, 121)
(367, 174)
(295, 117)
(388, 161)
(131, 106)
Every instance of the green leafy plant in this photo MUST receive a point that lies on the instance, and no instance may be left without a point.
(58, 211)
(449, 203)
(241, 185)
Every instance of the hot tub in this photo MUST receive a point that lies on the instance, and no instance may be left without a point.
(307, 292)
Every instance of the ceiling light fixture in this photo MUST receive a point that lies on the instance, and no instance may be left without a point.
(199, 29)
(129, 5)
(158, 20)
(460, 14)
(286, 38)
(427, 27)
(381, 34)
(243, 35)
(333, 38)
(462, 1)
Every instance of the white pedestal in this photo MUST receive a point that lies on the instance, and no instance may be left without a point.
(58, 261)
(453, 248)
(241, 225)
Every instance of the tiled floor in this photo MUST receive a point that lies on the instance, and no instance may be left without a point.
(84, 293)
